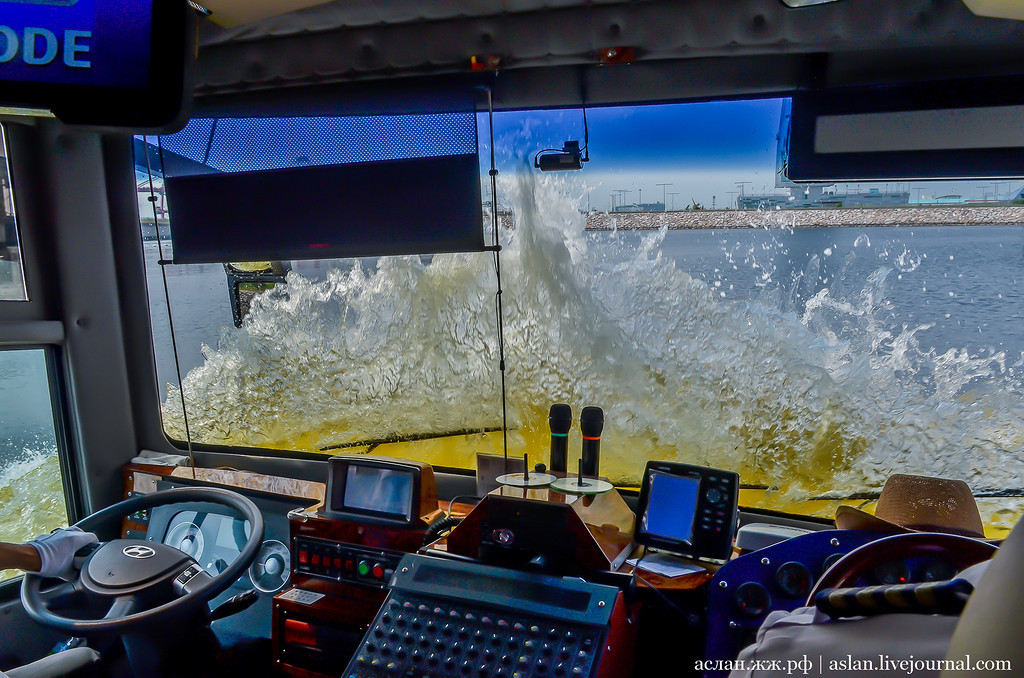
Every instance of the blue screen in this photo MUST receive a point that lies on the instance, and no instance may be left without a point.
(83, 42)
(381, 490)
(671, 506)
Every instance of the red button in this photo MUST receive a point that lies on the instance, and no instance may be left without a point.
(350, 565)
(303, 557)
(316, 558)
(337, 563)
(378, 571)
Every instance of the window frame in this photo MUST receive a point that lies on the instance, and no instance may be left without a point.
(60, 414)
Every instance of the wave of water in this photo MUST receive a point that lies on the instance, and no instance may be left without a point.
(827, 398)
(31, 491)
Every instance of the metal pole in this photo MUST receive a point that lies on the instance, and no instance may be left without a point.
(664, 201)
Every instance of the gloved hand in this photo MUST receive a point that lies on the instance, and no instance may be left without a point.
(57, 550)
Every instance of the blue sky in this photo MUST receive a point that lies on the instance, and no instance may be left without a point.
(724, 134)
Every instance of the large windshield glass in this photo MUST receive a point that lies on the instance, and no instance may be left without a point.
(814, 338)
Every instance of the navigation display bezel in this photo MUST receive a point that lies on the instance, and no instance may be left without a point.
(711, 517)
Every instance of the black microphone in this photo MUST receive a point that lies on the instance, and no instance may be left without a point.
(560, 421)
(591, 425)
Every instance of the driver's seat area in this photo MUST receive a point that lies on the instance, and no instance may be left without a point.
(78, 662)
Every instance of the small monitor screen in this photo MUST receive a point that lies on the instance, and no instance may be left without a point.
(671, 506)
(380, 490)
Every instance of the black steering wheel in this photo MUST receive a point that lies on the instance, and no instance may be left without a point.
(133, 582)
(960, 552)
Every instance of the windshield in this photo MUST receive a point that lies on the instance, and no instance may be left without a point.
(815, 339)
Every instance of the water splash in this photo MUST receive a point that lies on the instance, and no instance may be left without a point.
(831, 398)
(31, 491)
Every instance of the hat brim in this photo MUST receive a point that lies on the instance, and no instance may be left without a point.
(850, 518)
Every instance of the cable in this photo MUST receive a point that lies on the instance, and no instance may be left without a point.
(461, 496)
(167, 297)
(497, 271)
(586, 137)
(442, 525)
(654, 588)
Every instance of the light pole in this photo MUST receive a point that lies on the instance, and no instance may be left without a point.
(664, 202)
(674, 199)
(622, 196)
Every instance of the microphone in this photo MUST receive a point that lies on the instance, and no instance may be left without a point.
(560, 421)
(591, 425)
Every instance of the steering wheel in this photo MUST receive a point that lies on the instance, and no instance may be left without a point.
(960, 552)
(140, 582)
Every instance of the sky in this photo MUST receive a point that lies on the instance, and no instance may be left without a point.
(679, 154)
(700, 149)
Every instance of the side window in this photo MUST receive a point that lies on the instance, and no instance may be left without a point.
(31, 488)
(12, 284)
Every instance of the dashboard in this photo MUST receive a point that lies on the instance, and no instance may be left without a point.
(747, 589)
(214, 538)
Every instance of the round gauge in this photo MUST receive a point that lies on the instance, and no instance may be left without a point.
(187, 538)
(753, 599)
(713, 495)
(272, 567)
(793, 579)
(831, 560)
(939, 570)
(893, 572)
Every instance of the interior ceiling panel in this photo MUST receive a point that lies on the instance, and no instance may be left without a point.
(359, 41)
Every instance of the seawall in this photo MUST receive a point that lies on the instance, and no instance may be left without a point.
(892, 216)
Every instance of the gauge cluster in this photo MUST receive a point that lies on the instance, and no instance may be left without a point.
(745, 590)
(212, 539)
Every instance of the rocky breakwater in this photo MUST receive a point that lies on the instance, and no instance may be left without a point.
(893, 216)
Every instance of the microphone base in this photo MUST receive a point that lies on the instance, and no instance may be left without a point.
(575, 485)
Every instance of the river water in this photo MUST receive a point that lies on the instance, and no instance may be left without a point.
(834, 356)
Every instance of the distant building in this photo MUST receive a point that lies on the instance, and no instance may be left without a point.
(641, 207)
(819, 196)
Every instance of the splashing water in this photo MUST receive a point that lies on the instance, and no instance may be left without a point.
(31, 492)
(828, 400)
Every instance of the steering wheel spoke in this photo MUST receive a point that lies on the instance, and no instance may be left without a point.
(122, 607)
(64, 595)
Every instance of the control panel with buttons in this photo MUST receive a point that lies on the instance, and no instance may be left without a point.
(461, 619)
(341, 562)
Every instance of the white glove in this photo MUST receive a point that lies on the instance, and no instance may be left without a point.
(57, 550)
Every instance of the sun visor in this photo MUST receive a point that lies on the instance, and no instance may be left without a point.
(927, 130)
(265, 189)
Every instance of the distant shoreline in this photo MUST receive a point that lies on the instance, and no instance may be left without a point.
(809, 218)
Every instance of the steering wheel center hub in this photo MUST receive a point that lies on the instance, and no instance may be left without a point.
(122, 565)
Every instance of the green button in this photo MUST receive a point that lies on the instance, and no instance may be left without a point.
(364, 568)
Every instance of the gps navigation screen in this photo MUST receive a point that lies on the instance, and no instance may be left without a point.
(671, 506)
(380, 490)
(102, 43)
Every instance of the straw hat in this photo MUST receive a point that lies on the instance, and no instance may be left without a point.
(918, 504)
